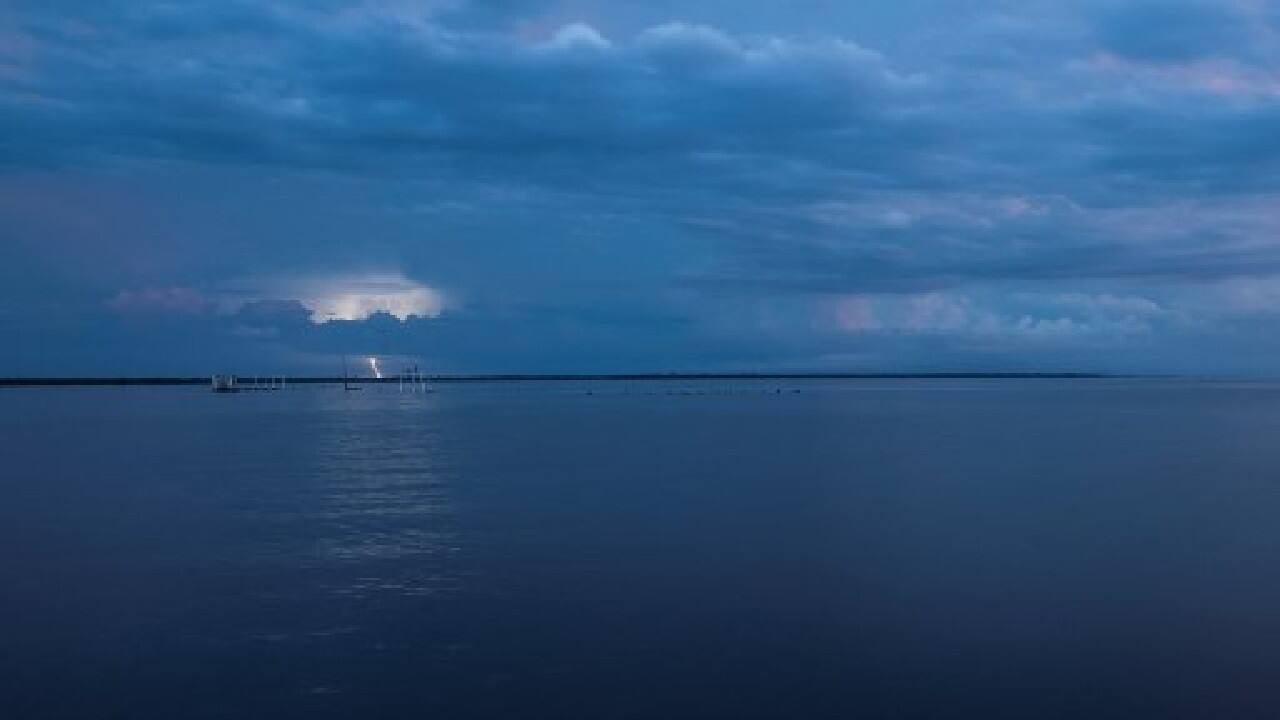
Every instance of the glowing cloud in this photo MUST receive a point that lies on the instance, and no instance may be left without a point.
(358, 297)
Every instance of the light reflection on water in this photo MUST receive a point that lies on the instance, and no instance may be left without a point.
(381, 499)
(861, 549)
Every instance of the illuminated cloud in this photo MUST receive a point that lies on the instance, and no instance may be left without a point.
(357, 297)
(1023, 316)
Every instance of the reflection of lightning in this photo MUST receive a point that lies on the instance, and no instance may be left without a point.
(373, 365)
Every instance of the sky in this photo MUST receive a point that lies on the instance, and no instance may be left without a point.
(589, 186)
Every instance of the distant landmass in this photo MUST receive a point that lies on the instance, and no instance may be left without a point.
(204, 380)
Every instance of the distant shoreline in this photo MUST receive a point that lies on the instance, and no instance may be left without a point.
(204, 380)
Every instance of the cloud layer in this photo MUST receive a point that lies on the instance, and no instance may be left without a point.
(675, 186)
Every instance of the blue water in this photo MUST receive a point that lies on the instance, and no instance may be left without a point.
(871, 549)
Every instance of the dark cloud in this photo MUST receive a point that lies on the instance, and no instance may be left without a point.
(371, 91)
(273, 314)
(1172, 31)
(665, 185)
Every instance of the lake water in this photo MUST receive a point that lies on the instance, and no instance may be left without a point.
(872, 549)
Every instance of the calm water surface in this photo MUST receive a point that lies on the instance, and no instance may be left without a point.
(871, 549)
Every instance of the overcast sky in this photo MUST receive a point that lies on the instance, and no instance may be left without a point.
(590, 186)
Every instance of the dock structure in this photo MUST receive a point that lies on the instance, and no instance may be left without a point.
(267, 384)
(232, 384)
(413, 380)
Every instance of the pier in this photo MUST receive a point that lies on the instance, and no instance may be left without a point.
(232, 384)
(414, 381)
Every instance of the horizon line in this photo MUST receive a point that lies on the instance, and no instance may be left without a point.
(37, 381)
